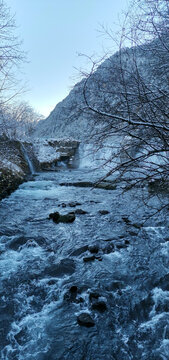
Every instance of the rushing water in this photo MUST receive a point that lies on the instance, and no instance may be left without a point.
(29, 162)
(47, 282)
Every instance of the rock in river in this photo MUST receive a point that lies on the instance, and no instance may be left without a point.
(99, 305)
(57, 217)
(89, 258)
(94, 249)
(85, 319)
(80, 212)
(103, 212)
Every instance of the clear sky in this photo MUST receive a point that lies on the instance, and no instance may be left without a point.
(54, 32)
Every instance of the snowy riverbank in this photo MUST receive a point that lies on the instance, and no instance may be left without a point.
(13, 166)
(18, 159)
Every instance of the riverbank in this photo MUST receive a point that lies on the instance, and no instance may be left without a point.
(13, 167)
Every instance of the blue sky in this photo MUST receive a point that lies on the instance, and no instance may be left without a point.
(54, 32)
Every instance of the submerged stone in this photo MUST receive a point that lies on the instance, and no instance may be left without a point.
(79, 251)
(108, 249)
(64, 267)
(115, 285)
(73, 289)
(101, 185)
(89, 258)
(63, 205)
(94, 249)
(103, 212)
(70, 295)
(94, 295)
(133, 232)
(16, 242)
(84, 319)
(126, 220)
(80, 212)
(74, 204)
(99, 305)
(121, 245)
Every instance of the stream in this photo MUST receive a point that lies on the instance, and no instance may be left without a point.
(93, 289)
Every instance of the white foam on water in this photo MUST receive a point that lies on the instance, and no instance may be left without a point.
(160, 297)
(163, 350)
(165, 249)
(154, 321)
(38, 193)
(37, 343)
(12, 260)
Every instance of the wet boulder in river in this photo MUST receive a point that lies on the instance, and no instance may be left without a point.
(104, 212)
(85, 319)
(57, 217)
(74, 204)
(79, 251)
(99, 305)
(94, 249)
(89, 258)
(80, 212)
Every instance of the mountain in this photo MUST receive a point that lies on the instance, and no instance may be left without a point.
(124, 84)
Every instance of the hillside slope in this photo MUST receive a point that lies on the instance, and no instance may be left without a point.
(105, 90)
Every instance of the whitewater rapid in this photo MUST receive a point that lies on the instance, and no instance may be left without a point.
(47, 283)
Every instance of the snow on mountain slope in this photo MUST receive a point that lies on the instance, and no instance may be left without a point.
(105, 91)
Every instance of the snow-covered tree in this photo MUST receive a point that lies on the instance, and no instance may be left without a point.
(18, 120)
(135, 104)
(10, 55)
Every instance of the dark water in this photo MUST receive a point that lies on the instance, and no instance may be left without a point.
(46, 284)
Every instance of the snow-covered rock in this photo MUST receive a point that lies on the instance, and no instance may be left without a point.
(50, 152)
(15, 169)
